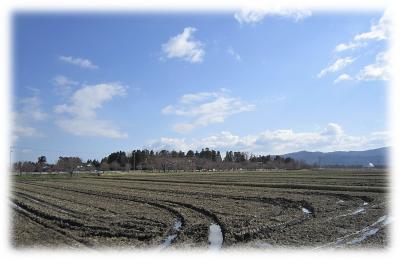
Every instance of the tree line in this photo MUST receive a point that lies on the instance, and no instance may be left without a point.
(164, 161)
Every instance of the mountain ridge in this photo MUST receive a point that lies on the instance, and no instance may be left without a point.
(376, 157)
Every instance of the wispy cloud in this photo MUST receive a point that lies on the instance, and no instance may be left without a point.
(331, 138)
(184, 46)
(233, 53)
(80, 62)
(348, 46)
(336, 66)
(254, 16)
(380, 69)
(205, 108)
(81, 119)
(378, 31)
(63, 85)
(24, 118)
(343, 77)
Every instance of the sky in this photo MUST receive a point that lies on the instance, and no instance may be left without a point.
(264, 82)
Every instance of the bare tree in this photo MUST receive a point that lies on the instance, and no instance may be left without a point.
(68, 164)
(104, 166)
(115, 166)
(128, 167)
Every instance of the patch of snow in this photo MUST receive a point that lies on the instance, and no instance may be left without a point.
(170, 238)
(364, 235)
(215, 237)
(167, 242)
(263, 245)
(305, 211)
(360, 210)
(387, 221)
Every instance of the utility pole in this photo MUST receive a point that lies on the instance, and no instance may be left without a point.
(134, 161)
(10, 158)
(319, 161)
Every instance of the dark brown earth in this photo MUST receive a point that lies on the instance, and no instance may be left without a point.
(306, 209)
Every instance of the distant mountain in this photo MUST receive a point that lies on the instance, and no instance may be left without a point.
(378, 157)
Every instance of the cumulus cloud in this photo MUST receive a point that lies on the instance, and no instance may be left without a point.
(380, 70)
(250, 16)
(343, 77)
(281, 141)
(332, 130)
(378, 31)
(29, 113)
(81, 119)
(80, 62)
(205, 108)
(337, 65)
(165, 143)
(184, 46)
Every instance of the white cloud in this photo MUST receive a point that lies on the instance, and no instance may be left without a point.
(205, 108)
(281, 141)
(226, 140)
(183, 46)
(20, 130)
(347, 46)
(332, 138)
(343, 77)
(82, 118)
(80, 62)
(233, 53)
(29, 113)
(90, 127)
(31, 109)
(192, 98)
(63, 84)
(337, 65)
(380, 70)
(165, 143)
(332, 130)
(63, 81)
(379, 31)
(249, 16)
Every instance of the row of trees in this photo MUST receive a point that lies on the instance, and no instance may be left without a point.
(65, 164)
(164, 161)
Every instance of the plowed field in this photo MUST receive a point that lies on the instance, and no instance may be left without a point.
(312, 209)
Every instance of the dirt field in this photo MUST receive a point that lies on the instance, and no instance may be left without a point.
(311, 209)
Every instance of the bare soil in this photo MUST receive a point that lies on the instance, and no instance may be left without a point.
(300, 209)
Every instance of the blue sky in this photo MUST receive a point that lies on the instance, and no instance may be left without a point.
(262, 82)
